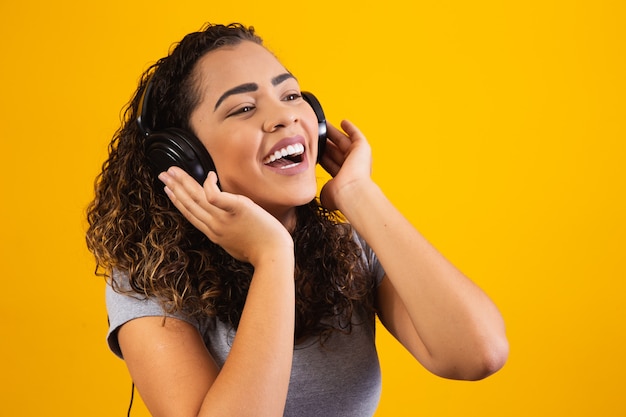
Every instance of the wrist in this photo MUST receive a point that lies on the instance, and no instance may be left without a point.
(272, 255)
(355, 195)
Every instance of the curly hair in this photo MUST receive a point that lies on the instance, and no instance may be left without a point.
(133, 226)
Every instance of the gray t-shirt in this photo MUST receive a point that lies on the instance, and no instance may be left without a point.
(341, 378)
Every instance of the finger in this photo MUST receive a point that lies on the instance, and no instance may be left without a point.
(218, 199)
(187, 196)
(198, 223)
(351, 130)
(339, 138)
(211, 190)
(329, 165)
(332, 159)
(181, 184)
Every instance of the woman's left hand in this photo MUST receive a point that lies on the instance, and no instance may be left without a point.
(348, 158)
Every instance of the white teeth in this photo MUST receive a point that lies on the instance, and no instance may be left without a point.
(291, 150)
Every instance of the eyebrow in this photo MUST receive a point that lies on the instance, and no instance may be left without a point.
(249, 87)
(282, 77)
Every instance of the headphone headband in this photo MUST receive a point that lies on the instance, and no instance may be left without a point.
(142, 118)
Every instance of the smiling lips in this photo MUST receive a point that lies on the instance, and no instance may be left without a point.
(285, 157)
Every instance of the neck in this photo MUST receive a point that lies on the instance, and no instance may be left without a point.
(287, 218)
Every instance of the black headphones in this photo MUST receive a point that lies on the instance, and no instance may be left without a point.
(177, 147)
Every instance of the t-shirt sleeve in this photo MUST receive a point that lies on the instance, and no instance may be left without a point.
(371, 260)
(122, 308)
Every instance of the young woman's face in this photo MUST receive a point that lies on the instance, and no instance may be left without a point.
(259, 131)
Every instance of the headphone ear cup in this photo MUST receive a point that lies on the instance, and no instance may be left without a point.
(321, 122)
(177, 147)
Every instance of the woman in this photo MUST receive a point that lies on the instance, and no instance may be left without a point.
(248, 296)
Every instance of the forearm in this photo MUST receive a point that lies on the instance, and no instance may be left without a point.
(255, 376)
(455, 320)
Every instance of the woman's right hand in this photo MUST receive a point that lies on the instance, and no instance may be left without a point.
(236, 223)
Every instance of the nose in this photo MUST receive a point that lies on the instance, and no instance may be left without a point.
(279, 116)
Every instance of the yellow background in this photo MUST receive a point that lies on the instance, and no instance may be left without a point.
(498, 128)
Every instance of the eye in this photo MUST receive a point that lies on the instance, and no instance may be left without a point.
(241, 110)
(292, 97)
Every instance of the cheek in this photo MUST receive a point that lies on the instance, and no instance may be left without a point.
(228, 162)
(222, 148)
(233, 160)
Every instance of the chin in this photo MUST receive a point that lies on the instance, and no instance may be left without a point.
(287, 194)
(296, 198)
(303, 199)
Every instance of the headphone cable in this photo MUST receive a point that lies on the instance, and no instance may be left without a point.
(132, 397)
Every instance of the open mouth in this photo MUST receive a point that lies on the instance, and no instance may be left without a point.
(286, 157)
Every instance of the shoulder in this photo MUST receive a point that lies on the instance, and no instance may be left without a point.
(124, 305)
